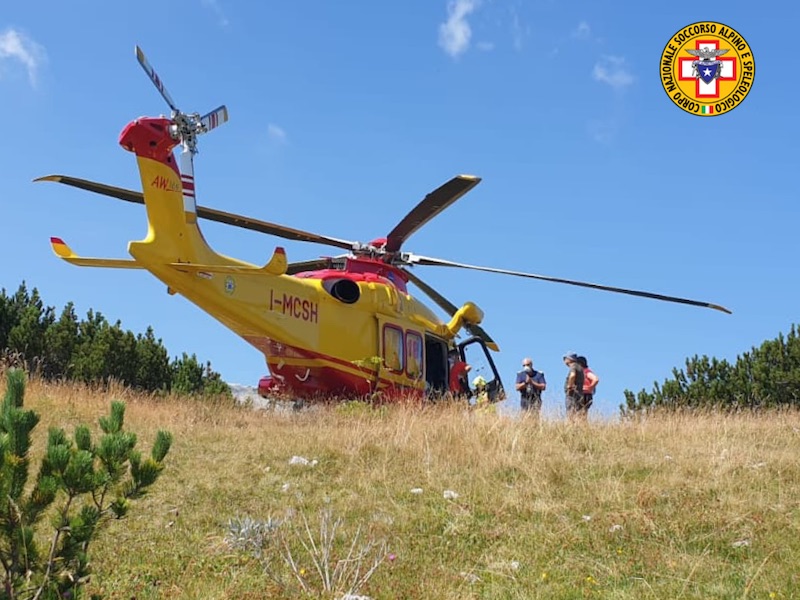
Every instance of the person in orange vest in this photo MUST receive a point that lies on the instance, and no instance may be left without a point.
(590, 381)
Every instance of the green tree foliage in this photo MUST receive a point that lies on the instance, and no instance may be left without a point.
(60, 341)
(26, 333)
(187, 375)
(10, 309)
(92, 483)
(192, 378)
(153, 370)
(94, 351)
(767, 376)
(89, 359)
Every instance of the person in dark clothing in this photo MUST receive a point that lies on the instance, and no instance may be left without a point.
(530, 384)
(573, 386)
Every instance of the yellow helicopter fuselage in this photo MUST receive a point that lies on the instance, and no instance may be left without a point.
(351, 329)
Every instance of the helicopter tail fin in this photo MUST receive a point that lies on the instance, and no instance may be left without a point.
(173, 234)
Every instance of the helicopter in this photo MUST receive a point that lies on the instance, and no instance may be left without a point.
(341, 326)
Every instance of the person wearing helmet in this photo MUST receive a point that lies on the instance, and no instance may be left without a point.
(481, 393)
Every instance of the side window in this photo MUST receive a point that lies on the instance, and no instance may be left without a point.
(393, 348)
(413, 354)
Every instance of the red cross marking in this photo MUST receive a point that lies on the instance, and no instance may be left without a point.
(702, 89)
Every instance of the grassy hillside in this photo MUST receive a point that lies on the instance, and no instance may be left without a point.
(704, 507)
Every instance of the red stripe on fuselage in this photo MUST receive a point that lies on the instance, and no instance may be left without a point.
(361, 269)
(325, 379)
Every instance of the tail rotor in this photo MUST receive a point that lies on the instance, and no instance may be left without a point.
(185, 128)
(151, 73)
(187, 125)
(214, 119)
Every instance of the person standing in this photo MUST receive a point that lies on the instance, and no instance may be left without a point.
(459, 382)
(483, 403)
(530, 384)
(590, 381)
(573, 386)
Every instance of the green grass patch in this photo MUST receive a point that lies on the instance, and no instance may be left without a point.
(466, 505)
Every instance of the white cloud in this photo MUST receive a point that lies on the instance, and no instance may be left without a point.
(583, 31)
(612, 70)
(455, 33)
(275, 133)
(214, 6)
(16, 46)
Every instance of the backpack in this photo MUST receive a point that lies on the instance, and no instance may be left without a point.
(586, 389)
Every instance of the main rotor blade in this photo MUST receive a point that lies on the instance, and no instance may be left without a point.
(424, 260)
(431, 205)
(282, 231)
(97, 188)
(151, 73)
(211, 214)
(450, 309)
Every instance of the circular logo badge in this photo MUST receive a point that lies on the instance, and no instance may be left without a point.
(707, 69)
(230, 285)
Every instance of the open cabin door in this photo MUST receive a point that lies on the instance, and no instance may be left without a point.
(437, 371)
(475, 353)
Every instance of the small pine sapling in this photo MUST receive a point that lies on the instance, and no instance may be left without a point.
(80, 484)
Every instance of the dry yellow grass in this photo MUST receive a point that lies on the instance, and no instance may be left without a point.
(672, 507)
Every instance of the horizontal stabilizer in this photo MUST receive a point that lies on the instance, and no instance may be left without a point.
(276, 266)
(65, 252)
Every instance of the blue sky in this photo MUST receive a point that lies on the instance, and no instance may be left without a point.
(344, 115)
